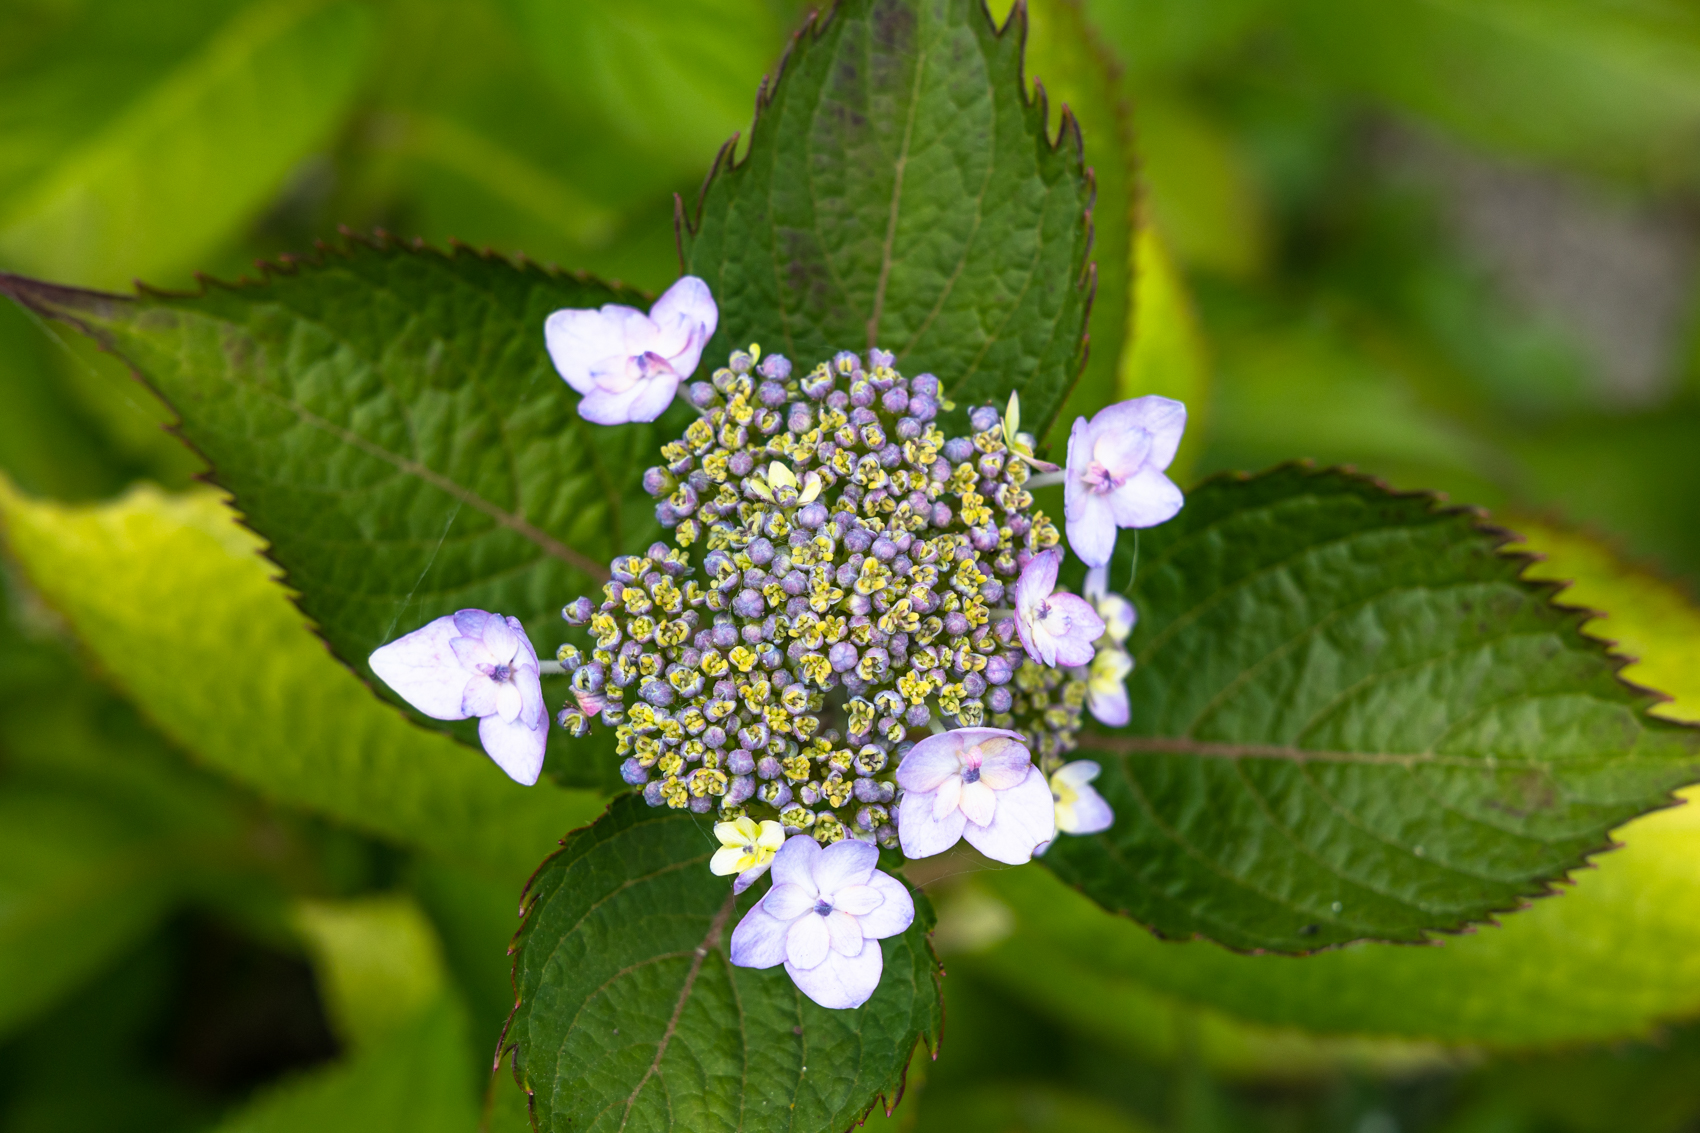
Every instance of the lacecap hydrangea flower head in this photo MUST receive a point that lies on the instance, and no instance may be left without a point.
(853, 634)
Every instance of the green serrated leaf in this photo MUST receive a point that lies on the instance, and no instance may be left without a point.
(899, 190)
(1353, 719)
(174, 602)
(389, 420)
(631, 1015)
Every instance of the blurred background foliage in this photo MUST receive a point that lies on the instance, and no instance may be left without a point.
(1451, 243)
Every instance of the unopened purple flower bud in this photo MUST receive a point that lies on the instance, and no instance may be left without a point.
(751, 633)
(760, 552)
(842, 656)
(958, 449)
(771, 394)
(1004, 630)
(578, 612)
(983, 418)
(701, 395)
(895, 400)
(924, 385)
(992, 591)
(753, 737)
(880, 359)
(652, 794)
(725, 689)
(812, 516)
(984, 538)
(658, 481)
(666, 514)
(768, 767)
(700, 804)
(909, 429)
(741, 762)
(714, 736)
(866, 791)
(634, 773)
(884, 549)
(817, 385)
(684, 501)
(974, 684)
(956, 623)
(749, 604)
(921, 407)
(917, 716)
(858, 539)
(799, 418)
(658, 693)
(941, 515)
(891, 455)
(742, 463)
(999, 669)
(775, 367)
(796, 607)
(739, 790)
(862, 395)
(808, 794)
(725, 634)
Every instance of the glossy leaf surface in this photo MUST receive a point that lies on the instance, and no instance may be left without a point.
(631, 1015)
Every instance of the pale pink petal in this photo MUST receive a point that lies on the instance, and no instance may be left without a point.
(471, 623)
(948, 797)
(422, 668)
(843, 930)
(600, 407)
(920, 834)
(579, 339)
(685, 317)
(1122, 453)
(1038, 579)
(1026, 817)
(501, 640)
(471, 652)
(480, 696)
(508, 701)
(1076, 625)
(932, 761)
(788, 902)
(894, 914)
(652, 396)
(1090, 813)
(516, 747)
(1163, 418)
(1091, 525)
(841, 982)
(1005, 764)
(1109, 705)
(807, 941)
(794, 864)
(532, 709)
(979, 803)
(844, 864)
(857, 899)
(759, 940)
(1147, 499)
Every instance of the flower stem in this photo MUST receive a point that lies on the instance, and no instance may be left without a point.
(550, 668)
(1046, 479)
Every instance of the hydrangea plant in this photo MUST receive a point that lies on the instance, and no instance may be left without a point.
(859, 595)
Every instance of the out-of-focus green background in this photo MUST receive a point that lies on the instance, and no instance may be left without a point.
(1452, 243)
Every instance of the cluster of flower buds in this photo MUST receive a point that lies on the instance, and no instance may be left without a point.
(853, 565)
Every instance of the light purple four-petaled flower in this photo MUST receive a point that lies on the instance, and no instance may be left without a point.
(475, 663)
(1114, 476)
(974, 783)
(628, 365)
(1056, 628)
(823, 919)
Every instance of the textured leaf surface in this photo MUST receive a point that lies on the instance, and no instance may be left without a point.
(631, 1016)
(1610, 959)
(173, 600)
(899, 190)
(389, 420)
(1354, 720)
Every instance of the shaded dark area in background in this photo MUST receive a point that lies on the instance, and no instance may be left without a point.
(1453, 245)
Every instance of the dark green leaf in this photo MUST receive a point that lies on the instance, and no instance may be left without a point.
(1352, 718)
(631, 1015)
(389, 420)
(899, 191)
